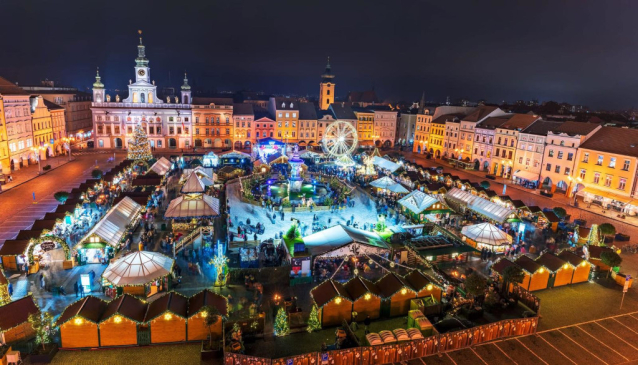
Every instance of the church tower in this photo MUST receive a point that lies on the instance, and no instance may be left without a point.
(326, 88)
(142, 71)
(98, 88)
(142, 90)
(186, 91)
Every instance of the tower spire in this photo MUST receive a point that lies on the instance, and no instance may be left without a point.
(98, 80)
(422, 103)
(186, 86)
(141, 60)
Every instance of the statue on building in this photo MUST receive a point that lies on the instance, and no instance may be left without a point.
(117, 98)
(130, 81)
(108, 98)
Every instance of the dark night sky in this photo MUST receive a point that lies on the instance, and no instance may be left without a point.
(582, 52)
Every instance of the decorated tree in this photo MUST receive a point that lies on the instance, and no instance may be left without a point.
(610, 259)
(97, 174)
(42, 324)
(511, 275)
(139, 148)
(313, 320)
(594, 236)
(5, 298)
(293, 232)
(475, 285)
(211, 316)
(282, 328)
(607, 229)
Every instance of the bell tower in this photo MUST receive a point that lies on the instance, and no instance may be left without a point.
(326, 88)
(142, 71)
(98, 88)
(186, 91)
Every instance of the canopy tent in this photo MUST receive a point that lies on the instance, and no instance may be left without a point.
(193, 206)
(418, 201)
(193, 185)
(486, 233)
(387, 183)
(479, 205)
(339, 241)
(345, 161)
(235, 154)
(526, 175)
(138, 268)
(161, 166)
(311, 154)
(112, 227)
(385, 164)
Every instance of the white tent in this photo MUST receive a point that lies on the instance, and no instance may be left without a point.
(112, 227)
(193, 185)
(345, 161)
(161, 166)
(486, 233)
(479, 205)
(138, 268)
(211, 159)
(193, 206)
(339, 241)
(385, 164)
(236, 154)
(418, 201)
(387, 183)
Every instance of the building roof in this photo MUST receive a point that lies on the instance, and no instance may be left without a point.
(338, 236)
(501, 264)
(169, 302)
(193, 206)
(418, 201)
(619, 141)
(576, 128)
(138, 268)
(285, 103)
(52, 106)
(89, 308)
(342, 111)
(327, 291)
(391, 283)
(307, 111)
(243, 109)
(369, 96)
(596, 252)
(14, 247)
(479, 113)
(9, 88)
(442, 119)
(541, 127)
(418, 280)
(357, 287)
(127, 306)
(113, 226)
(17, 312)
(492, 122)
(207, 298)
(260, 112)
(193, 185)
(28, 234)
(571, 257)
(527, 264)
(198, 100)
(519, 121)
(551, 261)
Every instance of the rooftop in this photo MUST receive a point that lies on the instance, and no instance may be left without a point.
(620, 141)
(577, 128)
(541, 127)
(9, 88)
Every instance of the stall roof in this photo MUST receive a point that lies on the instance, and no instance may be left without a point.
(147, 180)
(385, 163)
(14, 247)
(327, 291)
(501, 264)
(527, 264)
(486, 233)
(479, 205)
(17, 312)
(358, 287)
(54, 216)
(138, 268)
(595, 252)
(170, 302)
(338, 236)
(418, 280)
(112, 227)
(235, 154)
(89, 308)
(518, 204)
(418, 201)
(387, 183)
(27, 235)
(193, 206)
(551, 216)
(391, 283)
(193, 185)
(161, 166)
(551, 261)
(127, 306)
(207, 298)
(571, 257)
(43, 224)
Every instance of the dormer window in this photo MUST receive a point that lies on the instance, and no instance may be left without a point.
(283, 105)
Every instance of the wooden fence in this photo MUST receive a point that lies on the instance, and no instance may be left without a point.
(400, 351)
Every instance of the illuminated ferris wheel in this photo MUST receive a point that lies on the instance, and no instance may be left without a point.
(340, 139)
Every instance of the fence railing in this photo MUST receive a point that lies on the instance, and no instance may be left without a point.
(399, 351)
(527, 298)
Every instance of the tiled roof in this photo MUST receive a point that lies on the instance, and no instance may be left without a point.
(242, 109)
(9, 88)
(342, 111)
(480, 113)
(448, 118)
(620, 141)
(541, 127)
(198, 100)
(261, 113)
(307, 111)
(368, 96)
(520, 121)
(286, 104)
(52, 106)
(492, 122)
(17, 312)
(577, 128)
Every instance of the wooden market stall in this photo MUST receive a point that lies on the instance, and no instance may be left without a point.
(333, 301)
(422, 207)
(423, 286)
(366, 298)
(121, 320)
(536, 275)
(196, 314)
(397, 294)
(499, 268)
(561, 271)
(595, 256)
(166, 317)
(582, 267)
(13, 253)
(14, 320)
(79, 323)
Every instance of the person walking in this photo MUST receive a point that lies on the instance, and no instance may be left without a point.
(81, 288)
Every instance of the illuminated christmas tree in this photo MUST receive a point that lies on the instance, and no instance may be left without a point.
(594, 236)
(139, 148)
(281, 323)
(313, 320)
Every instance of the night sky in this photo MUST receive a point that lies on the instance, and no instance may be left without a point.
(581, 52)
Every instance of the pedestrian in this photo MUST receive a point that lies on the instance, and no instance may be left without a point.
(366, 323)
(274, 217)
(81, 288)
(255, 237)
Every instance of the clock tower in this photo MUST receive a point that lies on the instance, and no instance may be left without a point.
(142, 90)
(142, 71)
(327, 88)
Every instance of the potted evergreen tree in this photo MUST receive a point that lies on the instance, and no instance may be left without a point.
(212, 348)
(42, 324)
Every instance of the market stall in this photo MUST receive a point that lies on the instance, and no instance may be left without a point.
(109, 234)
(193, 185)
(387, 184)
(13, 253)
(536, 275)
(560, 271)
(121, 320)
(423, 285)
(197, 305)
(139, 273)
(14, 320)
(486, 235)
(582, 267)
(166, 317)
(79, 322)
(162, 166)
(385, 164)
(333, 301)
(461, 200)
(397, 294)
(422, 207)
(366, 297)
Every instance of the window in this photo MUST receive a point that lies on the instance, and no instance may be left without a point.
(159, 131)
(557, 169)
(567, 170)
(586, 157)
(527, 162)
(520, 160)
(151, 130)
(596, 177)
(612, 162)
(509, 155)
(548, 167)
(171, 130)
(608, 180)
(280, 115)
(560, 155)
(497, 151)
(625, 166)
(599, 162)
(621, 184)
(294, 115)
(582, 174)
(100, 129)
(257, 134)
(570, 156)
(551, 153)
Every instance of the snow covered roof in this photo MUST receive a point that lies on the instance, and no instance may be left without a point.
(161, 166)
(112, 227)
(310, 154)
(235, 154)
(418, 201)
(138, 268)
(385, 164)
(193, 206)
(193, 185)
(485, 233)
(479, 205)
(330, 240)
(389, 184)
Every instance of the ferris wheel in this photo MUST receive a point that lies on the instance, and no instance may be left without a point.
(340, 139)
